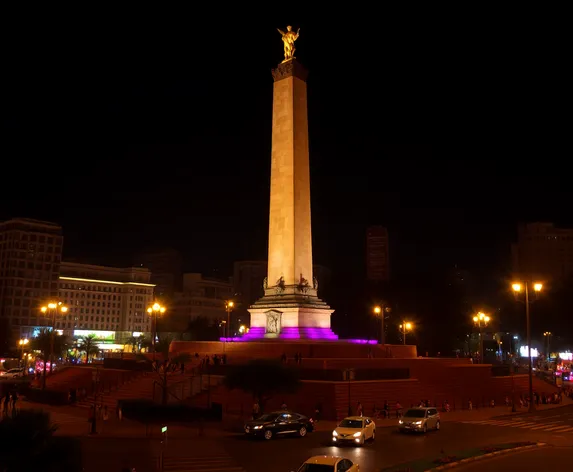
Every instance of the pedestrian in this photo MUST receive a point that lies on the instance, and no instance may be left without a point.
(14, 400)
(284, 406)
(398, 410)
(105, 417)
(359, 409)
(256, 409)
(470, 405)
(6, 404)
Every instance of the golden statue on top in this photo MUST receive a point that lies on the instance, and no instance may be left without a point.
(289, 37)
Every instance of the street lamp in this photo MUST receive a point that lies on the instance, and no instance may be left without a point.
(379, 311)
(548, 335)
(405, 326)
(518, 288)
(229, 308)
(23, 343)
(481, 320)
(52, 309)
(153, 311)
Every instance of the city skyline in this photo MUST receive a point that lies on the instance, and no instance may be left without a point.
(179, 157)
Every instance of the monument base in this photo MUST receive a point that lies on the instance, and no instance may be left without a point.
(290, 312)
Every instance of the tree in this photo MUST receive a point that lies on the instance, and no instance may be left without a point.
(138, 342)
(263, 378)
(88, 344)
(43, 343)
(168, 364)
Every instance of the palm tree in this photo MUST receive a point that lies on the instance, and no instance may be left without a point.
(138, 342)
(88, 344)
(43, 343)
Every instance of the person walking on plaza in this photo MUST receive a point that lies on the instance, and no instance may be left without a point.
(14, 401)
(6, 404)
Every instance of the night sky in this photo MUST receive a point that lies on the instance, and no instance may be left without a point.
(134, 133)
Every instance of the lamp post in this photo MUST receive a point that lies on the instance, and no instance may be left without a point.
(379, 311)
(23, 343)
(229, 308)
(518, 288)
(481, 320)
(548, 335)
(405, 326)
(52, 309)
(153, 311)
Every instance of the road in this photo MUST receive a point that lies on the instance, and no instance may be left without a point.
(234, 453)
(546, 458)
(390, 448)
(556, 421)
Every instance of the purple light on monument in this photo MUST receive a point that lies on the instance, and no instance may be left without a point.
(361, 341)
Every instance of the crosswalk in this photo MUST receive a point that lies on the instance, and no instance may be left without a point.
(533, 423)
(211, 463)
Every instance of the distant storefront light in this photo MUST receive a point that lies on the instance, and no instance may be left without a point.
(106, 335)
(566, 356)
(523, 351)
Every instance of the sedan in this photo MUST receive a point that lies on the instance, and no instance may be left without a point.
(355, 430)
(328, 464)
(12, 373)
(279, 423)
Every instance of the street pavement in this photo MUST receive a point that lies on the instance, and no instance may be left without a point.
(545, 458)
(215, 450)
(555, 421)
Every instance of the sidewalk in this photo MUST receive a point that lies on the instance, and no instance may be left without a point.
(478, 414)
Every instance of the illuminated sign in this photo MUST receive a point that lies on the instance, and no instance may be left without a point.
(566, 356)
(104, 335)
(523, 351)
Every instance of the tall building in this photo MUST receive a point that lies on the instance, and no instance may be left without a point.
(543, 252)
(201, 297)
(377, 254)
(166, 266)
(30, 257)
(104, 298)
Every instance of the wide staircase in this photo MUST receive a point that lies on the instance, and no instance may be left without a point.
(146, 386)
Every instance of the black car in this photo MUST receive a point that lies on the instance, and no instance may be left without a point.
(279, 423)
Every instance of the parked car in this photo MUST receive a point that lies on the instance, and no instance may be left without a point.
(328, 464)
(12, 373)
(279, 423)
(420, 420)
(355, 430)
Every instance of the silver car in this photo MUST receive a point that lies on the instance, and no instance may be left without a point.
(420, 420)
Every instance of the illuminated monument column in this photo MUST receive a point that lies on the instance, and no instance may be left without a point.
(290, 308)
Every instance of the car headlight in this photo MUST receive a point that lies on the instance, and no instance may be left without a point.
(400, 422)
(257, 427)
(357, 435)
(418, 422)
(334, 433)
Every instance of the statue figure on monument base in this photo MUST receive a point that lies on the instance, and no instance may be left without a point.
(280, 286)
(289, 37)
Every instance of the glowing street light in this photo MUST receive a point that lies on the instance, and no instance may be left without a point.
(154, 310)
(379, 311)
(405, 326)
(481, 320)
(52, 309)
(517, 288)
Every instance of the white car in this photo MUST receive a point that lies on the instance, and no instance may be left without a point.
(12, 373)
(355, 430)
(328, 464)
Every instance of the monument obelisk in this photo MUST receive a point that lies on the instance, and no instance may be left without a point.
(290, 307)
